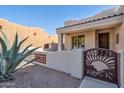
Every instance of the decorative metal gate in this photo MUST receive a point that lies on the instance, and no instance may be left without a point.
(101, 64)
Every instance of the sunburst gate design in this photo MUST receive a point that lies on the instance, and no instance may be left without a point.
(101, 64)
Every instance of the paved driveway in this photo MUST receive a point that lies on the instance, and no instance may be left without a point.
(36, 76)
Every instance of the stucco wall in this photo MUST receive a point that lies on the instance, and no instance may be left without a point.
(66, 61)
(59, 60)
(121, 36)
(90, 40)
(117, 31)
(37, 36)
(120, 30)
(70, 62)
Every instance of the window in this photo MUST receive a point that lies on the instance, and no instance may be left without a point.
(78, 41)
(74, 42)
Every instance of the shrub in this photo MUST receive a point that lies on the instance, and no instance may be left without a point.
(11, 57)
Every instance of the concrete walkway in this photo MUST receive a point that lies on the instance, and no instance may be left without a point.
(88, 82)
(36, 76)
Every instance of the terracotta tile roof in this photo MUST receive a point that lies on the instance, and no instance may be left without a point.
(88, 21)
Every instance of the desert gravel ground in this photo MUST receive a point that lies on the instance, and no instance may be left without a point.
(37, 76)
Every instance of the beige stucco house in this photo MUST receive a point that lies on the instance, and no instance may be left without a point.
(103, 30)
(101, 40)
(37, 36)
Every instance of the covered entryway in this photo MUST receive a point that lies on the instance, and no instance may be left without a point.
(101, 64)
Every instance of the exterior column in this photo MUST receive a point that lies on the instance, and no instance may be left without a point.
(121, 69)
(60, 42)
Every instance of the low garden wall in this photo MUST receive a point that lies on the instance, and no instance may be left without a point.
(121, 69)
(70, 62)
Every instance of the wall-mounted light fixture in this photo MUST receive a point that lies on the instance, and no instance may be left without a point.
(117, 38)
(0, 27)
(35, 34)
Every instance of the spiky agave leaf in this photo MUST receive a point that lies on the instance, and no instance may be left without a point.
(13, 57)
(3, 56)
(4, 47)
(20, 43)
(23, 41)
(23, 56)
(30, 51)
(15, 48)
(14, 64)
(0, 64)
(13, 53)
(6, 39)
(20, 57)
(26, 49)
(24, 65)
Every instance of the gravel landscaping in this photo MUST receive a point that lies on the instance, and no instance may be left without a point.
(37, 76)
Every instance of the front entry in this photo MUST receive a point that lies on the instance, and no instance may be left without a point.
(103, 40)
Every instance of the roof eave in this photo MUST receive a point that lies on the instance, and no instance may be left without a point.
(90, 25)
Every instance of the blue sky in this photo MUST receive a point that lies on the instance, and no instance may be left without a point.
(48, 17)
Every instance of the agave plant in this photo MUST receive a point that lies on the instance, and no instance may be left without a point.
(11, 57)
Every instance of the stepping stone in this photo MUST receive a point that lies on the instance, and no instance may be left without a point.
(89, 82)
